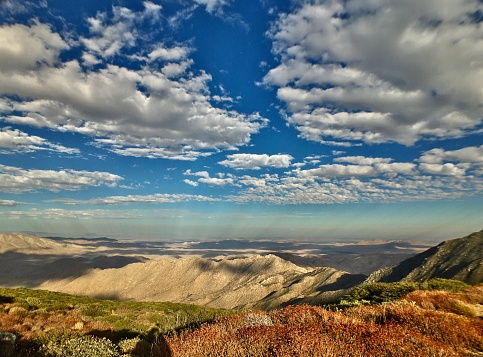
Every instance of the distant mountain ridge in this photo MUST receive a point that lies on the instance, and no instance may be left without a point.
(459, 259)
(168, 271)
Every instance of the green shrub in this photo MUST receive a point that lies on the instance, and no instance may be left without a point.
(453, 286)
(380, 292)
(93, 310)
(81, 346)
(376, 293)
(33, 302)
(5, 299)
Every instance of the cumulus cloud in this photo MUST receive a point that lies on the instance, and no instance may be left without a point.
(17, 141)
(14, 179)
(330, 185)
(337, 170)
(8, 203)
(132, 112)
(359, 166)
(191, 183)
(215, 181)
(442, 169)
(23, 47)
(213, 5)
(205, 178)
(256, 161)
(169, 54)
(157, 198)
(362, 160)
(453, 162)
(198, 173)
(379, 71)
(470, 154)
(59, 213)
(109, 35)
(353, 179)
(359, 179)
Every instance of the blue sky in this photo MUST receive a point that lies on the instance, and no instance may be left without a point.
(209, 119)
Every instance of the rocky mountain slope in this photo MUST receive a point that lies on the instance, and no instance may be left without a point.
(459, 259)
(96, 269)
(235, 282)
(28, 244)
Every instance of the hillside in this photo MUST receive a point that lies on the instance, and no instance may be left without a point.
(421, 323)
(459, 259)
(235, 282)
(27, 243)
(247, 275)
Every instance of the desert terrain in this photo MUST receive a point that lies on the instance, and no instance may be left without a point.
(222, 274)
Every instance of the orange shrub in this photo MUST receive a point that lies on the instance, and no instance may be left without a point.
(309, 331)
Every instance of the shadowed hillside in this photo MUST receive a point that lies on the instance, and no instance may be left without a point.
(459, 259)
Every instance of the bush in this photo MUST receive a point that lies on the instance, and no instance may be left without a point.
(376, 293)
(453, 286)
(81, 346)
(380, 292)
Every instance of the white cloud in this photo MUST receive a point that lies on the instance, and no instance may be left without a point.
(256, 161)
(356, 179)
(471, 154)
(215, 181)
(467, 160)
(362, 160)
(442, 169)
(205, 178)
(23, 47)
(171, 70)
(379, 71)
(169, 54)
(131, 112)
(335, 184)
(191, 183)
(152, 10)
(109, 35)
(14, 179)
(16, 140)
(157, 198)
(213, 5)
(89, 59)
(380, 165)
(8, 203)
(366, 179)
(58, 214)
(199, 173)
(337, 170)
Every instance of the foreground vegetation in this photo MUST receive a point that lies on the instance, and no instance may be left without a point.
(46, 320)
(436, 318)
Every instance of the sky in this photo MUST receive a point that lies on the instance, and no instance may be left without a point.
(211, 119)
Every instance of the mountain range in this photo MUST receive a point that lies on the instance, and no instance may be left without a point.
(459, 259)
(244, 274)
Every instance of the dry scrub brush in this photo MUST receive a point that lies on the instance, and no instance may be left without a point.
(404, 330)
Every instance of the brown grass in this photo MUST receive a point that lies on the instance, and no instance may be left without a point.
(396, 330)
(423, 324)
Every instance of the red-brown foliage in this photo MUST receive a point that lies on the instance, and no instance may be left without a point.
(314, 331)
(423, 324)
